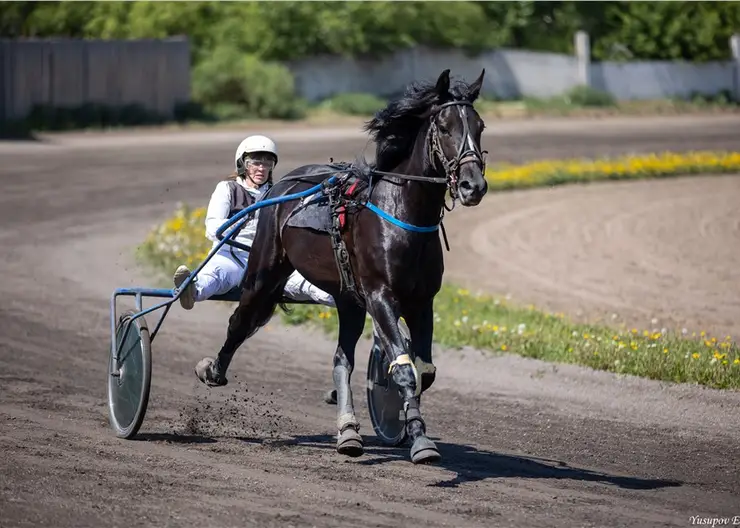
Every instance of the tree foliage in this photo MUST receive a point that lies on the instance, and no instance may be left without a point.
(695, 31)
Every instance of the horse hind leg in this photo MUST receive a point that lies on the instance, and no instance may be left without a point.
(351, 324)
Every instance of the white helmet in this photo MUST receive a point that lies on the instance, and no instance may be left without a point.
(251, 144)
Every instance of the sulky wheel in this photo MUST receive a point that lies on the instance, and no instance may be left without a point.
(129, 380)
(384, 400)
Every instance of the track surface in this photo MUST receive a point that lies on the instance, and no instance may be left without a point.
(523, 443)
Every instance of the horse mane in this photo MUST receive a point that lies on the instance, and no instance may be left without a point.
(395, 127)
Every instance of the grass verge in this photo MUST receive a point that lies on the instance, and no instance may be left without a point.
(491, 323)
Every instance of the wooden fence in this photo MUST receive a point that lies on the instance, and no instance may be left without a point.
(69, 72)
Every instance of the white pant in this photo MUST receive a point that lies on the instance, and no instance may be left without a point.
(221, 274)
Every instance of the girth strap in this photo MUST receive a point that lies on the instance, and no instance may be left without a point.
(341, 255)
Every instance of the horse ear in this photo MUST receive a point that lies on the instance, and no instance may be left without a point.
(443, 84)
(474, 89)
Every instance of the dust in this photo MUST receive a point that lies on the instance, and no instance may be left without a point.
(234, 412)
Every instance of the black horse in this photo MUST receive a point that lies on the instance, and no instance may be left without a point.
(375, 247)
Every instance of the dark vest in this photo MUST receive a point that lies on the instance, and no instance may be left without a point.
(240, 198)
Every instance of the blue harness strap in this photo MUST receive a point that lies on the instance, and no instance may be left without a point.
(395, 221)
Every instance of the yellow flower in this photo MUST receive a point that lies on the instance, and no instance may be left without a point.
(543, 171)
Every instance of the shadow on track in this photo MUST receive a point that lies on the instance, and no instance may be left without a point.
(469, 463)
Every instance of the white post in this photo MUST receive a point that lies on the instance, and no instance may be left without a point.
(583, 56)
(735, 47)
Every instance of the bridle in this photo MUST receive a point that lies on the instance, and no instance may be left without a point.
(467, 152)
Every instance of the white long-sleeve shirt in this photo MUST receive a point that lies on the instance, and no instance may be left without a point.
(218, 213)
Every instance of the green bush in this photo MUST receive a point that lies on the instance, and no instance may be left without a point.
(360, 104)
(246, 85)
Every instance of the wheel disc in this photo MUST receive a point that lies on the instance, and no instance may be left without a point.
(128, 393)
(384, 400)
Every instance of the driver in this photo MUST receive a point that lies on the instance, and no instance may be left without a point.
(255, 159)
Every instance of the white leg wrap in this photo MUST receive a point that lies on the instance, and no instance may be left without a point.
(347, 419)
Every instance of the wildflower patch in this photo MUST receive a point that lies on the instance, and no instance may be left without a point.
(557, 172)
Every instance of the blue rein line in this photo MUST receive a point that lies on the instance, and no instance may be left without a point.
(395, 221)
(310, 192)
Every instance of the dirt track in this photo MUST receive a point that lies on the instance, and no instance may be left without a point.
(523, 443)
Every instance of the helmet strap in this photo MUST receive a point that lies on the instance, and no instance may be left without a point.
(241, 170)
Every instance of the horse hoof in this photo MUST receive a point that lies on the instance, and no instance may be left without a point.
(331, 397)
(350, 443)
(423, 451)
(204, 372)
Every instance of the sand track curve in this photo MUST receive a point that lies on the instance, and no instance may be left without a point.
(523, 443)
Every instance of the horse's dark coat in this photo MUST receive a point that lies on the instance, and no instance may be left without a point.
(431, 131)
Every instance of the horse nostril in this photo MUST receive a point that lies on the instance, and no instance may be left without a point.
(465, 185)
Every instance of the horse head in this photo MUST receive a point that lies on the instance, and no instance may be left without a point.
(454, 139)
(433, 128)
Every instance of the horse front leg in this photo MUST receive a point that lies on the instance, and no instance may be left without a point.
(351, 324)
(420, 320)
(386, 314)
(261, 295)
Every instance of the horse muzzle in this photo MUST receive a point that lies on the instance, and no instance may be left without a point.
(472, 187)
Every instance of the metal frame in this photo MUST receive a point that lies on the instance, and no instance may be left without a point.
(172, 295)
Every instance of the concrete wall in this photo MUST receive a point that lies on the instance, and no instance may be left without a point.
(156, 73)
(509, 73)
(655, 80)
(152, 73)
(517, 73)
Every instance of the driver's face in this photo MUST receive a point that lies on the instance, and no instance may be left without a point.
(258, 169)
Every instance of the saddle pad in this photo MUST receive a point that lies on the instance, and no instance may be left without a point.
(312, 214)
